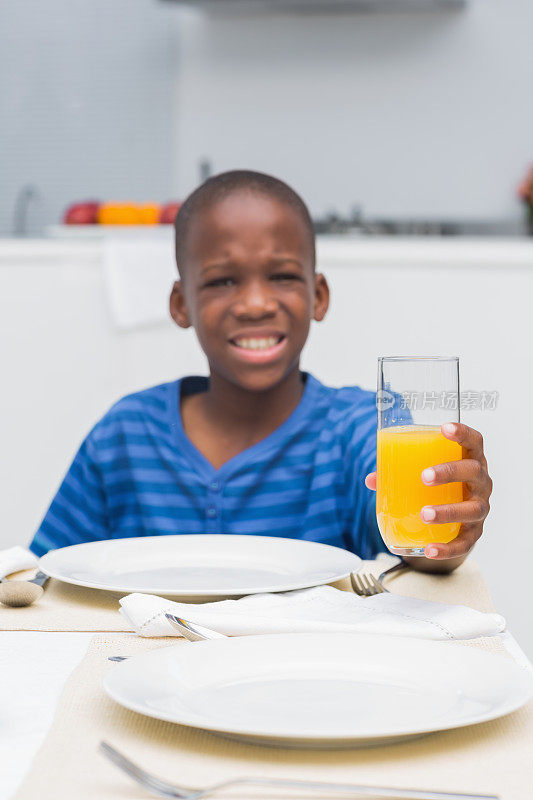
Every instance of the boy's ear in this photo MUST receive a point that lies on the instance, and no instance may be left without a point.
(321, 303)
(178, 308)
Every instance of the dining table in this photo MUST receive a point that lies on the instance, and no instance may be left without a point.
(54, 712)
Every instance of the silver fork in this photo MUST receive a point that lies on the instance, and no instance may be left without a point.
(366, 585)
(172, 790)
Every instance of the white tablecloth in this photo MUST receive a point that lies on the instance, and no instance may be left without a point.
(34, 667)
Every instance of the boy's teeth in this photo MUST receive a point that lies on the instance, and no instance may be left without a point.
(257, 344)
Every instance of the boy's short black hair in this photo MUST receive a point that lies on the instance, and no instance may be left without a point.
(220, 186)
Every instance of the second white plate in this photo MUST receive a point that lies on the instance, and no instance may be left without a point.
(316, 690)
(203, 566)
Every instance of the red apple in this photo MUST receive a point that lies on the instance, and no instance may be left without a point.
(81, 213)
(168, 213)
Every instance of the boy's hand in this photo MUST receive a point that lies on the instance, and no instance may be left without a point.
(472, 511)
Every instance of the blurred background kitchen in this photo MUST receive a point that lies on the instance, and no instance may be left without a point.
(405, 124)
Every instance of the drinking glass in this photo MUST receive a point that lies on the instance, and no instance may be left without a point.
(415, 397)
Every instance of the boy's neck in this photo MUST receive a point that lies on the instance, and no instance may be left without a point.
(225, 420)
(232, 406)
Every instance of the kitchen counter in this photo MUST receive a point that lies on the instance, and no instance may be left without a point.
(337, 250)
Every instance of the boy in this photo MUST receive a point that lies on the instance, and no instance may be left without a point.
(258, 447)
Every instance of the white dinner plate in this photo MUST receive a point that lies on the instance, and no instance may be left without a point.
(203, 566)
(316, 690)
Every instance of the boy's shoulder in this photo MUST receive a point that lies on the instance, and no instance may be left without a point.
(147, 405)
(346, 405)
(344, 398)
(154, 398)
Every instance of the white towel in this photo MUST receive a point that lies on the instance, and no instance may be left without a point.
(15, 559)
(320, 609)
(138, 276)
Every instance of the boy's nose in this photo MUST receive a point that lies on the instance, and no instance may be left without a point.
(255, 301)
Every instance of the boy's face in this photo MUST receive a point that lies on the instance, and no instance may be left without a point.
(249, 288)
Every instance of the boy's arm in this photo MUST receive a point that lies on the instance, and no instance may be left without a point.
(441, 567)
(78, 512)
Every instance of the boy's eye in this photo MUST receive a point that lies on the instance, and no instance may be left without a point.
(285, 277)
(220, 282)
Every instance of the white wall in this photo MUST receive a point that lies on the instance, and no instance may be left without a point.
(411, 114)
(86, 102)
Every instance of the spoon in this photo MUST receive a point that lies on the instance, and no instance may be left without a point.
(192, 631)
(17, 594)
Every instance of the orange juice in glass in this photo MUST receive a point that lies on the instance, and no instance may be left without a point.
(415, 397)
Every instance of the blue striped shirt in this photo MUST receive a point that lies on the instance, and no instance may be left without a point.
(138, 474)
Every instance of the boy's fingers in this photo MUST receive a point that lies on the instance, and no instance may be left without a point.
(469, 438)
(466, 511)
(469, 470)
(371, 481)
(460, 546)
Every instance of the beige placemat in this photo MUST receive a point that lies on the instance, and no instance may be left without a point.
(64, 607)
(493, 757)
(464, 586)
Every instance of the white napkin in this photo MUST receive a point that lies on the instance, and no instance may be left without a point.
(320, 609)
(16, 558)
(138, 276)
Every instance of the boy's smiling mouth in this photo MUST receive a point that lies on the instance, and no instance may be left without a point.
(256, 342)
(259, 348)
